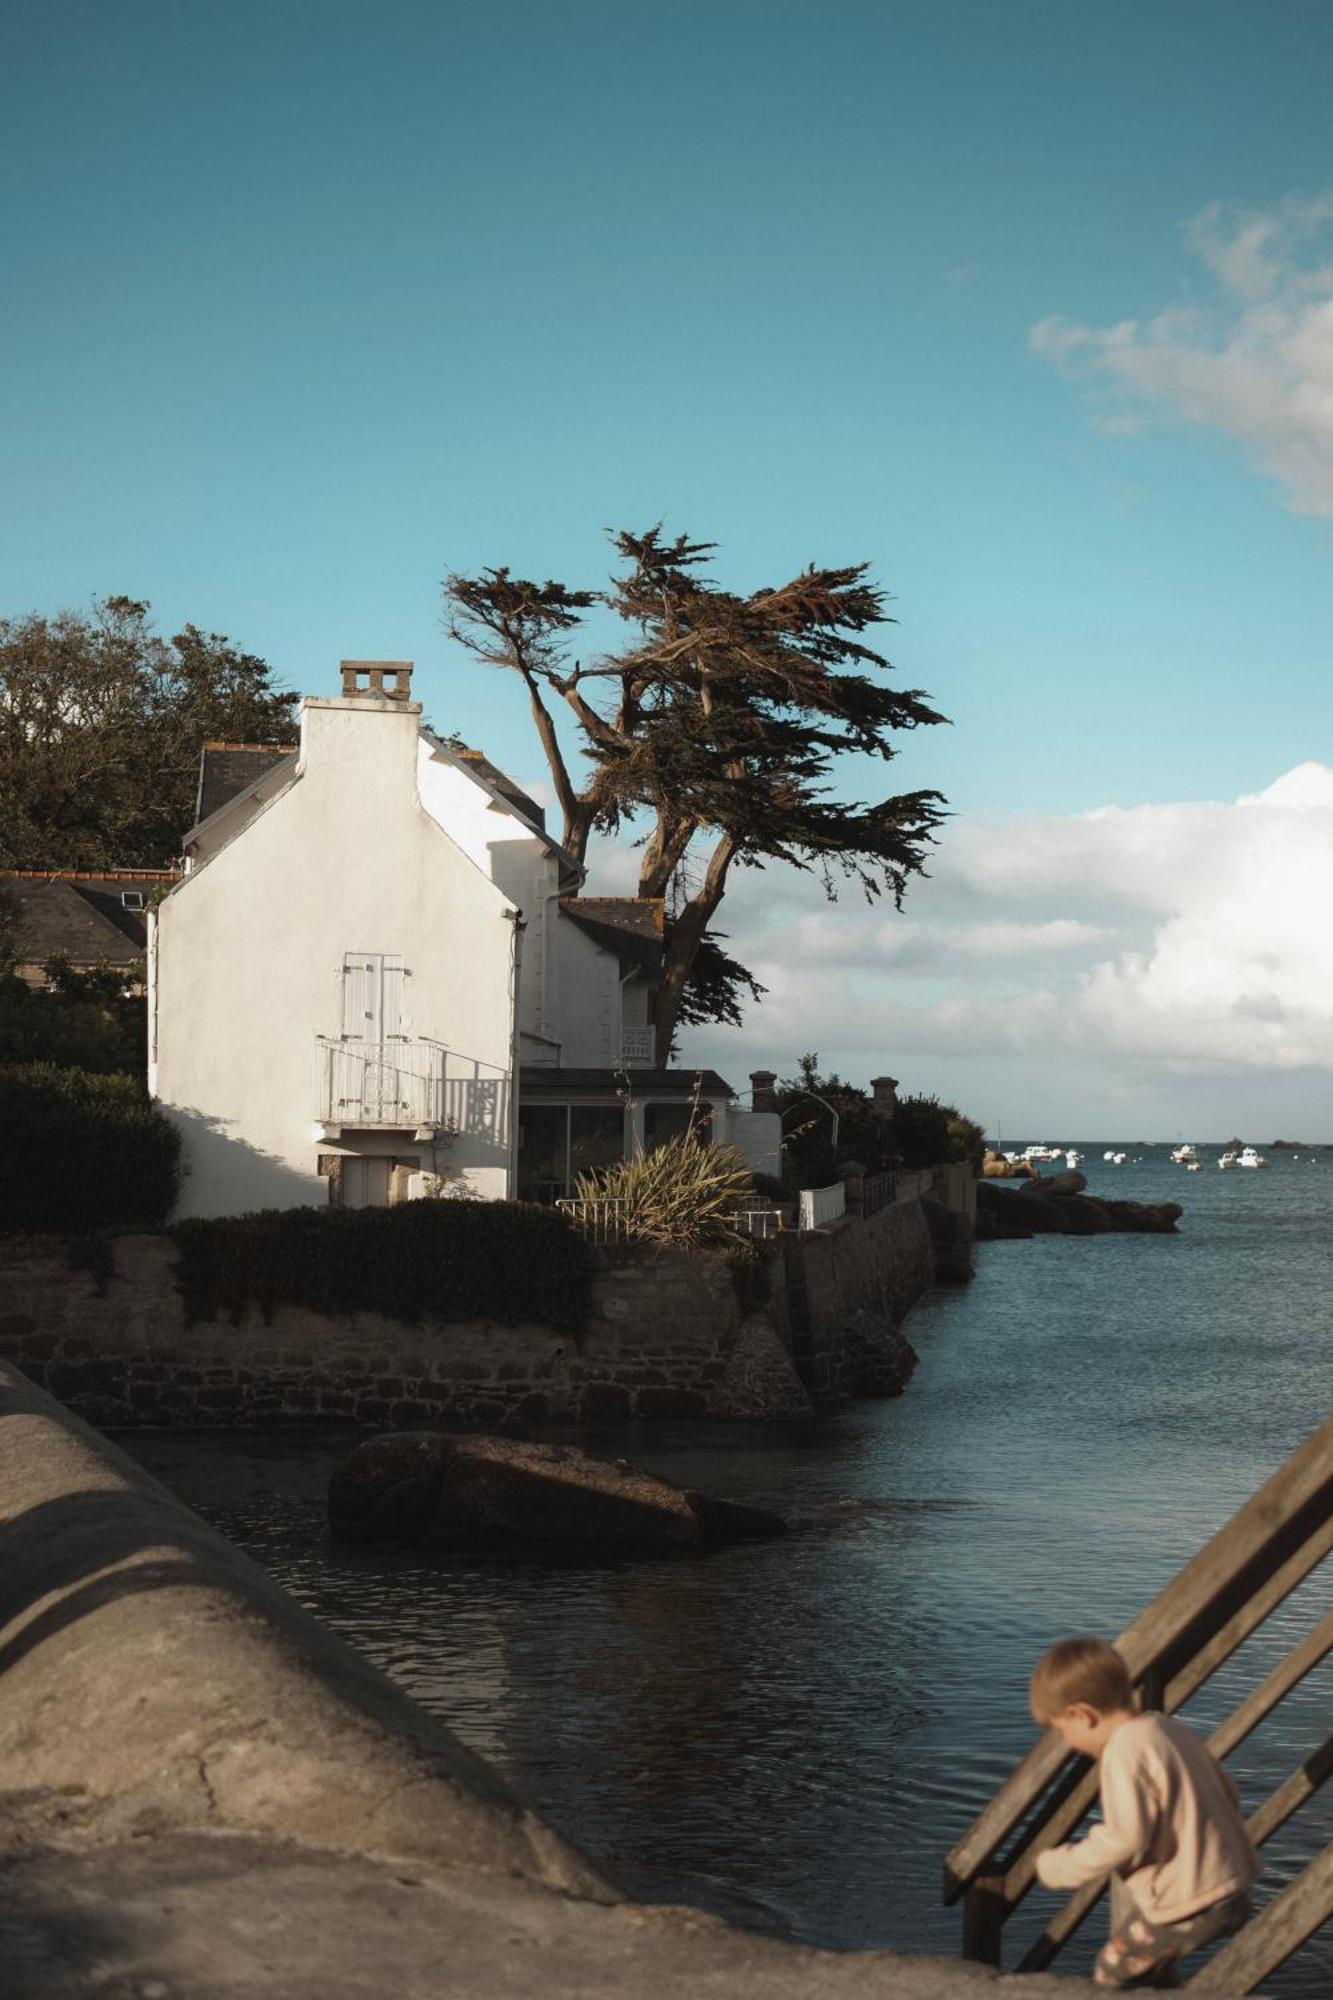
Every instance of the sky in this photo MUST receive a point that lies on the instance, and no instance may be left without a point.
(1029, 307)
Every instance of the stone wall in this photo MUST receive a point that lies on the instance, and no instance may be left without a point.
(668, 1336)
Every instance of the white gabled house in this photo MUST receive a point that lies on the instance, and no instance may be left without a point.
(376, 979)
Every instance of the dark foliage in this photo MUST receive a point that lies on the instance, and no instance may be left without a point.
(718, 726)
(929, 1132)
(85, 1020)
(808, 1103)
(82, 1152)
(101, 723)
(442, 1260)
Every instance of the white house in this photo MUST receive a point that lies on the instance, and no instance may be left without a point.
(376, 979)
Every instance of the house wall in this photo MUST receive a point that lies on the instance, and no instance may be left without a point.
(587, 981)
(247, 969)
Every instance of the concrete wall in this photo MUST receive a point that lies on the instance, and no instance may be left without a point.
(247, 967)
(668, 1336)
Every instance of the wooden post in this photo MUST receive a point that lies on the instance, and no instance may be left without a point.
(984, 1912)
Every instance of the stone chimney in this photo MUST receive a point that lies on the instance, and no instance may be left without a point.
(763, 1096)
(884, 1102)
(364, 679)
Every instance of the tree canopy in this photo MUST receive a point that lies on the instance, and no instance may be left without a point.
(713, 733)
(101, 721)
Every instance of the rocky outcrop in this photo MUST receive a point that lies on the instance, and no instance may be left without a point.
(505, 1495)
(1047, 1208)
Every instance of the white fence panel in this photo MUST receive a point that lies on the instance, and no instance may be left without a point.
(820, 1206)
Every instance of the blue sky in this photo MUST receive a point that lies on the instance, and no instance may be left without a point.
(306, 304)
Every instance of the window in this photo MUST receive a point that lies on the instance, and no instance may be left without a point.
(132, 899)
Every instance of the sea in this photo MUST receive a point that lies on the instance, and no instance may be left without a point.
(795, 1733)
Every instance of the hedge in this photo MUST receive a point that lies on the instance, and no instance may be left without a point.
(82, 1152)
(434, 1259)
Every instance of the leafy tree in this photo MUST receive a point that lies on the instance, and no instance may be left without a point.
(719, 722)
(808, 1103)
(101, 722)
(88, 1021)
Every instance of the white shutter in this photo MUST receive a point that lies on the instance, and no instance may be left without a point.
(392, 996)
(362, 1015)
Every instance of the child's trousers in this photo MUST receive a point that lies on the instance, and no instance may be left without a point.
(1141, 1953)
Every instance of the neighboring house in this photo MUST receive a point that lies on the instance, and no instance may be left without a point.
(377, 981)
(91, 918)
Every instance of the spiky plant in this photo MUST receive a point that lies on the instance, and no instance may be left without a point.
(685, 1193)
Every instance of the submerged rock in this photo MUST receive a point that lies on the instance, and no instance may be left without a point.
(505, 1494)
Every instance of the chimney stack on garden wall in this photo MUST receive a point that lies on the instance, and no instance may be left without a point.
(884, 1102)
(763, 1095)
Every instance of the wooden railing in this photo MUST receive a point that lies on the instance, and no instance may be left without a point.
(1248, 1568)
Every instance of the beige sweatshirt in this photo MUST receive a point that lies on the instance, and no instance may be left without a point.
(1171, 1825)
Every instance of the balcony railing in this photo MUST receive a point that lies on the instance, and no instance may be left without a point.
(636, 1048)
(396, 1083)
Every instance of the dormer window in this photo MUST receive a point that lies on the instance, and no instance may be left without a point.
(132, 899)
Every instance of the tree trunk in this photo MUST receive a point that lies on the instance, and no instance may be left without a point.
(686, 934)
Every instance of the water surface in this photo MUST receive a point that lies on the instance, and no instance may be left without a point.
(795, 1733)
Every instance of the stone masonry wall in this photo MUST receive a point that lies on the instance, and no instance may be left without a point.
(668, 1336)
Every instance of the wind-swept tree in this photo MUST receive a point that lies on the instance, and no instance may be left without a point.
(715, 732)
(101, 721)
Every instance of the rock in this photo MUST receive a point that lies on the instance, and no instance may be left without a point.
(1156, 1218)
(1082, 1215)
(504, 1494)
(1049, 1184)
(995, 1167)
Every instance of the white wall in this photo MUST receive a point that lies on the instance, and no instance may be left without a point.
(249, 957)
(587, 986)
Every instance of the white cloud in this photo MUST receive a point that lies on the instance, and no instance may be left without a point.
(1255, 364)
(1122, 954)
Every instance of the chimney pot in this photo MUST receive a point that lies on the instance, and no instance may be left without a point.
(366, 679)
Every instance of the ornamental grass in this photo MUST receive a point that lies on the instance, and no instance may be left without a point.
(685, 1193)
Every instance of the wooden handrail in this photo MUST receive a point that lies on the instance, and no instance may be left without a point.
(1192, 1610)
(1220, 1597)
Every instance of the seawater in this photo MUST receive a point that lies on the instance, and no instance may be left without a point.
(795, 1733)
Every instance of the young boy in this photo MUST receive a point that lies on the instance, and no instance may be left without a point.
(1171, 1825)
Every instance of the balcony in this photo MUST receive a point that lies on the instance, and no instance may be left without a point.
(396, 1084)
(636, 1048)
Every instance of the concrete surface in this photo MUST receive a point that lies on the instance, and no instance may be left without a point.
(205, 1793)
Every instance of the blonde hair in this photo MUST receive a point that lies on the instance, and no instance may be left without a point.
(1082, 1669)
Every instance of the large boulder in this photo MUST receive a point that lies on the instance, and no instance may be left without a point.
(1053, 1184)
(1157, 1218)
(505, 1494)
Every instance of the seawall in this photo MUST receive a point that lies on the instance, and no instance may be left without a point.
(668, 1335)
(206, 1793)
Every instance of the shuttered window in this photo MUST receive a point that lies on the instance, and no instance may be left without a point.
(372, 996)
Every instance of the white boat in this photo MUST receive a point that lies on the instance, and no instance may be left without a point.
(1073, 1158)
(1231, 1158)
(1183, 1155)
(1249, 1158)
(1193, 1166)
(1041, 1153)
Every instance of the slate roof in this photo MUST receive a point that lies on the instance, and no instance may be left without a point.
(82, 916)
(226, 769)
(629, 926)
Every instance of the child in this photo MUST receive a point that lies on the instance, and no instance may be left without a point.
(1171, 1826)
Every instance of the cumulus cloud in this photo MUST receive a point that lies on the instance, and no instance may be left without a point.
(1138, 946)
(1255, 362)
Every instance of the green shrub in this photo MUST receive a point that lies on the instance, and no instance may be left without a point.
(446, 1260)
(685, 1192)
(85, 1020)
(82, 1152)
(928, 1133)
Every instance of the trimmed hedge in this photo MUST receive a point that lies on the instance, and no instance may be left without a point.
(437, 1259)
(82, 1152)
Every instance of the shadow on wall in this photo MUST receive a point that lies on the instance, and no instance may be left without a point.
(223, 1175)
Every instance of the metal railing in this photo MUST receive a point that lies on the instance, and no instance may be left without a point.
(878, 1191)
(379, 1083)
(1248, 1568)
